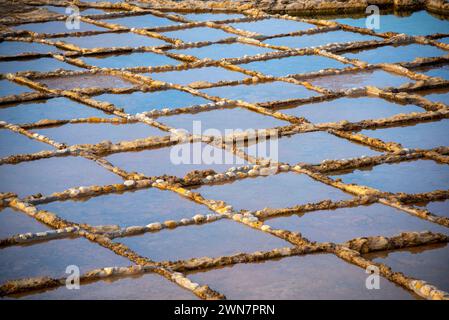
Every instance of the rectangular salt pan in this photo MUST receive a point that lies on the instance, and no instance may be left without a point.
(293, 65)
(145, 287)
(57, 27)
(137, 102)
(320, 39)
(55, 109)
(272, 26)
(429, 263)
(46, 176)
(12, 143)
(214, 239)
(350, 109)
(147, 206)
(52, 258)
(302, 277)
(82, 133)
(264, 92)
(113, 39)
(137, 59)
(40, 65)
(417, 23)
(391, 54)
(225, 50)
(425, 135)
(302, 147)
(409, 177)
(377, 78)
(198, 34)
(177, 160)
(276, 191)
(345, 224)
(141, 21)
(208, 74)
(218, 122)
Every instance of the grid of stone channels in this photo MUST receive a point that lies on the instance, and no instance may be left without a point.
(350, 251)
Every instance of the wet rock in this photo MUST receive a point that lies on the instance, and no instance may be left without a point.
(154, 226)
(268, 171)
(134, 230)
(241, 175)
(129, 183)
(196, 176)
(170, 224)
(253, 173)
(199, 218)
(185, 221)
(237, 217)
(231, 174)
